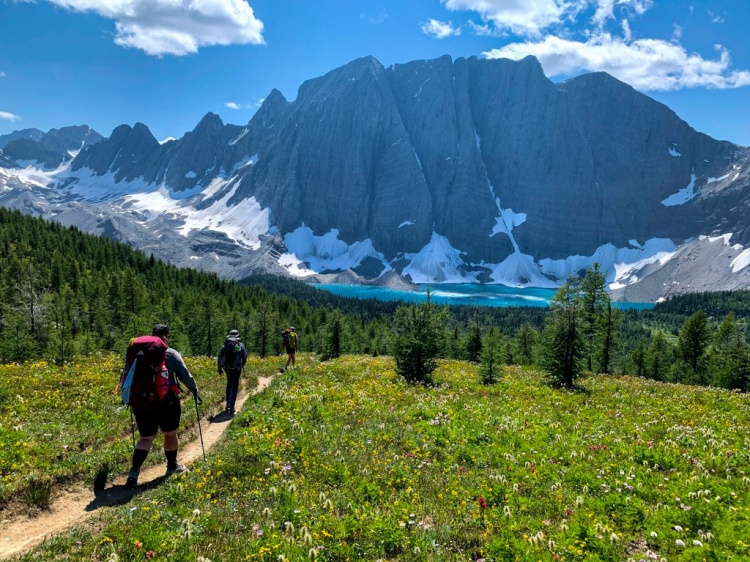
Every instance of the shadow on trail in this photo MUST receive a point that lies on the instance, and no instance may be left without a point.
(119, 494)
(221, 417)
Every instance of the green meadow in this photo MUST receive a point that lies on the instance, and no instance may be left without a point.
(342, 460)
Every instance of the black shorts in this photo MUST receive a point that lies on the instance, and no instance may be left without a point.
(163, 415)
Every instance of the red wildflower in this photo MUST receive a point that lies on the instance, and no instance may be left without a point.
(482, 503)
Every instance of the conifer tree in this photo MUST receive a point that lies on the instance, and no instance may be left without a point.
(691, 349)
(657, 357)
(417, 334)
(491, 357)
(333, 335)
(564, 349)
(526, 338)
(638, 358)
(474, 343)
(593, 301)
(731, 357)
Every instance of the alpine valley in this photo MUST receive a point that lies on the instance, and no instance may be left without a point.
(460, 171)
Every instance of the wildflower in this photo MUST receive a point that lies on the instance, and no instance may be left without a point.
(697, 543)
(678, 528)
(680, 543)
(138, 544)
(482, 503)
(653, 534)
(196, 512)
(150, 554)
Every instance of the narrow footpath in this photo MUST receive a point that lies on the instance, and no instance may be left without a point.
(19, 534)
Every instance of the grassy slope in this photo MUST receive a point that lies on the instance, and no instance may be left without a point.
(342, 461)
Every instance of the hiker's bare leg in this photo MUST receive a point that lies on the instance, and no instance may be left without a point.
(170, 440)
(144, 443)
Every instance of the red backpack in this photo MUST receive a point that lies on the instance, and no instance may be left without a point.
(146, 375)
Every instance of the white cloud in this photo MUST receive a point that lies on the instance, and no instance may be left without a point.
(645, 64)
(627, 34)
(232, 105)
(715, 18)
(484, 30)
(2, 74)
(605, 9)
(175, 27)
(439, 29)
(521, 17)
(4, 115)
(259, 102)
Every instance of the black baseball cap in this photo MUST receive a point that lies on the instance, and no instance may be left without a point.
(160, 330)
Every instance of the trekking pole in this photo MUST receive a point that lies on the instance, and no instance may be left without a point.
(132, 426)
(198, 419)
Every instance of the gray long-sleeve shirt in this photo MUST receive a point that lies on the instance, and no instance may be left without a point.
(177, 367)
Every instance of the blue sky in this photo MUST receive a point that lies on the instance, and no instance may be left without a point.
(166, 63)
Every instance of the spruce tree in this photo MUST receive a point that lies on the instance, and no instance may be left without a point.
(691, 349)
(491, 357)
(564, 349)
(657, 357)
(416, 338)
(593, 302)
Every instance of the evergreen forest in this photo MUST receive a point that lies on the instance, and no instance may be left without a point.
(65, 293)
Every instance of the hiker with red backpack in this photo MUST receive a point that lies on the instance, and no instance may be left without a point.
(149, 386)
(232, 359)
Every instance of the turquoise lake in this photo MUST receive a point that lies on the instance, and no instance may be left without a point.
(469, 294)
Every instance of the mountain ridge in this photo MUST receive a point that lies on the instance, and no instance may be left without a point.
(458, 170)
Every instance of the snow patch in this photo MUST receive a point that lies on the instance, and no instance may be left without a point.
(322, 253)
(191, 175)
(520, 270)
(419, 162)
(621, 263)
(714, 180)
(741, 262)
(673, 151)
(246, 161)
(506, 221)
(437, 262)
(724, 237)
(682, 196)
(406, 223)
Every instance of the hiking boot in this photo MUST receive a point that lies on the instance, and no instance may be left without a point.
(176, 469)
(132, 480)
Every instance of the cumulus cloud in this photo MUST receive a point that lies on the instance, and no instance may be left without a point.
(521, 17)
(645, 64)
(484, 30)
(5, 116)
(573, 36)
(232, 105)
(259, 102)
(440, 29)
(175, 27)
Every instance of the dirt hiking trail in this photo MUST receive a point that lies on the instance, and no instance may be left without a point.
(19, 533)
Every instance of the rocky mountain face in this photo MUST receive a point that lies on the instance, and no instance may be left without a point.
(442, 170)
(47, 149)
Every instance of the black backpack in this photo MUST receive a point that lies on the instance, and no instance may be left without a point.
(232, 354)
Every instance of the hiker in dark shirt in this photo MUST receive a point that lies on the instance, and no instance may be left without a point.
(164, 414)
(232, 359)
(290, 341)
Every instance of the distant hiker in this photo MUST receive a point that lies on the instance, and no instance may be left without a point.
(232, 359)
(150, 388)
(290, 340)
